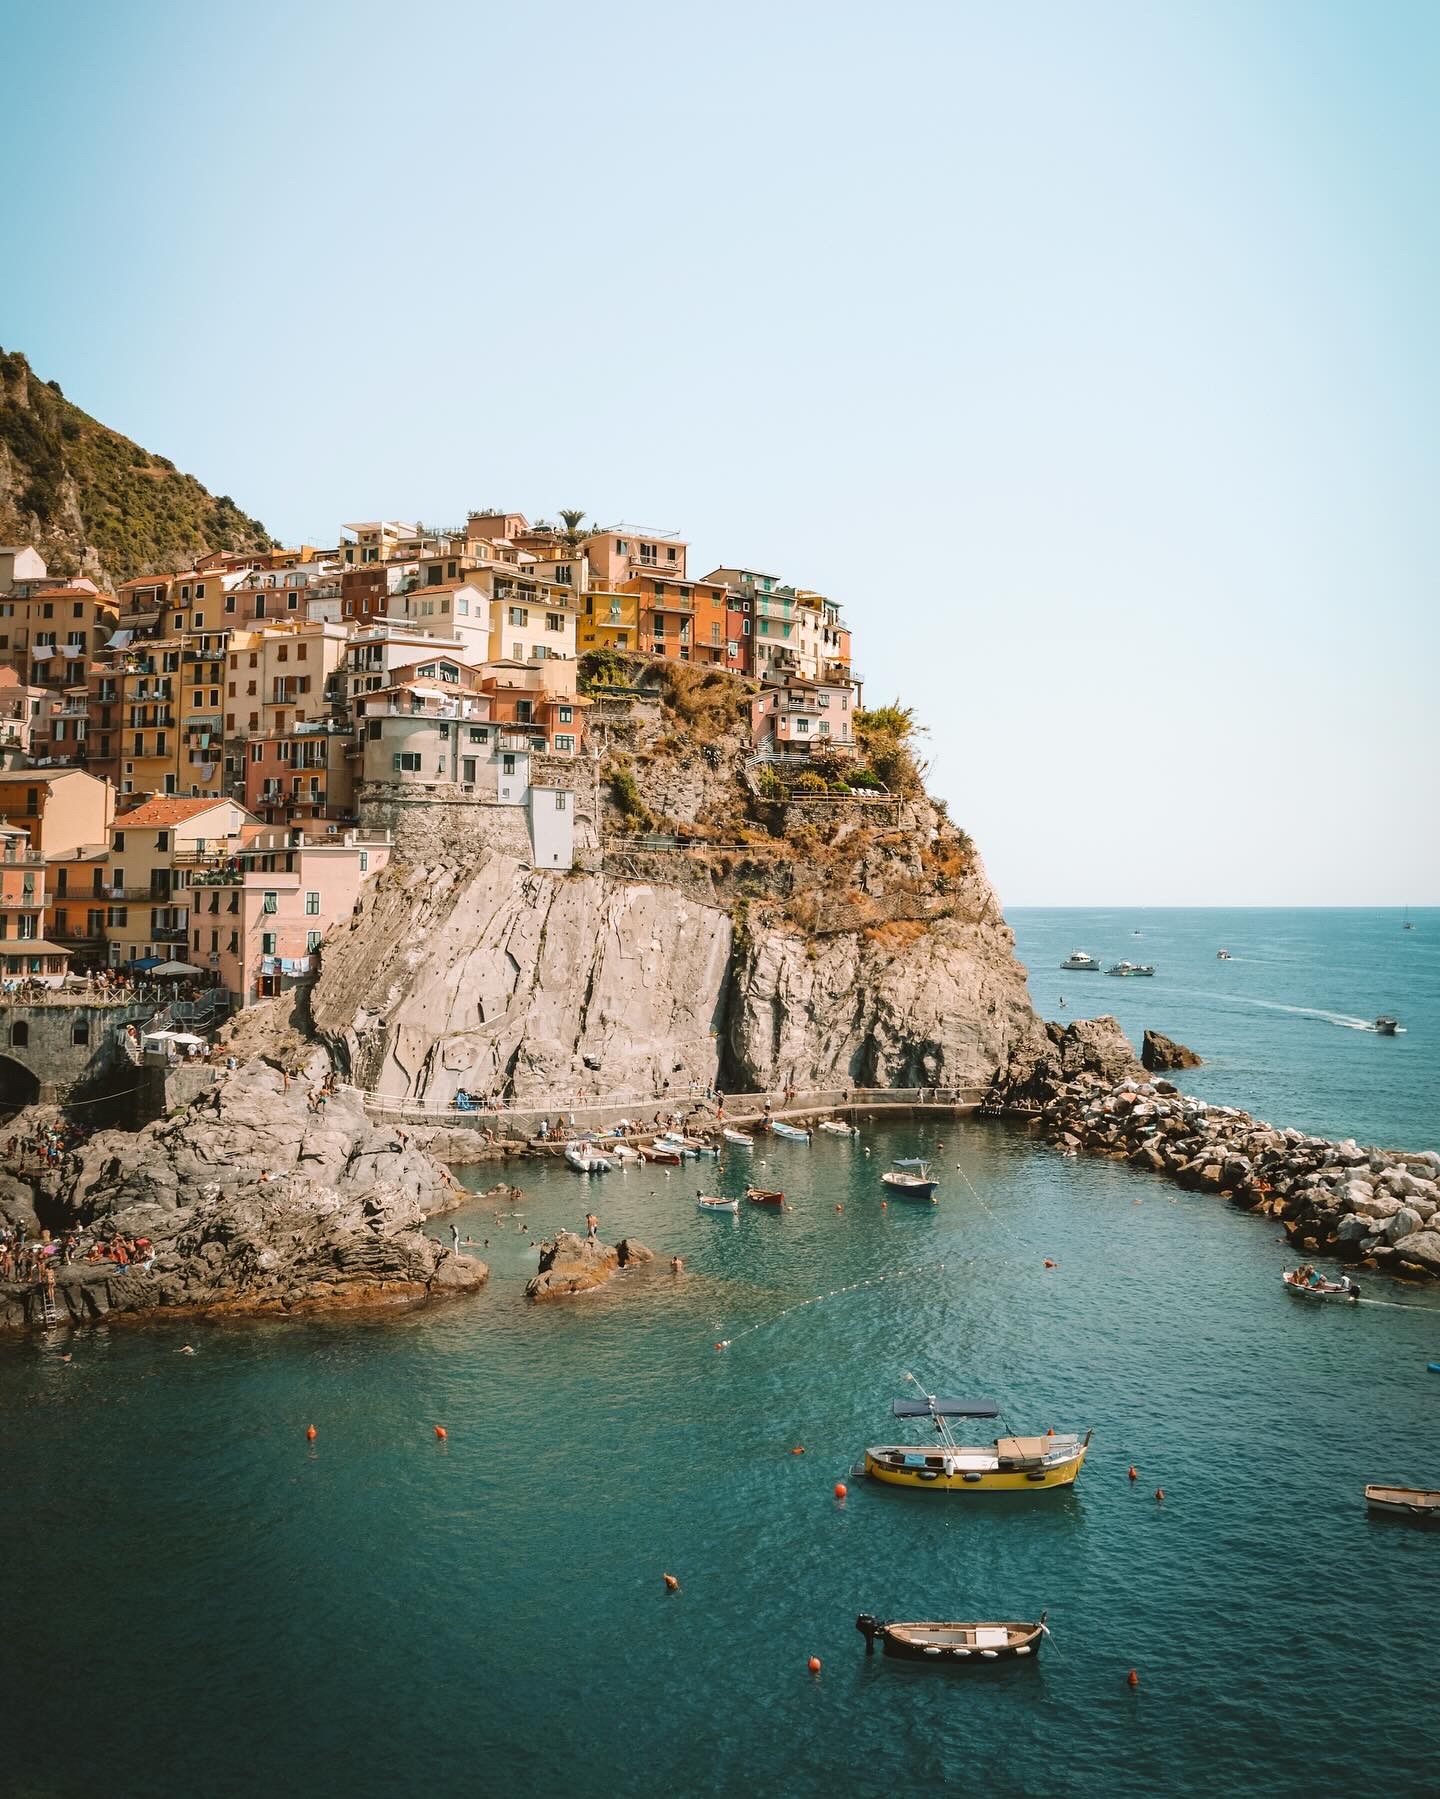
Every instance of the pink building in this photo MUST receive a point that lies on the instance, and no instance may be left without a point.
(258, 911)
(793, 716)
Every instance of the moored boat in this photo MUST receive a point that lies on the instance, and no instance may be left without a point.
(765, 1196)
(793, 1132)
(1405, 1502)
(622, 1152)
(1310, 1285)
(586, 1157)
(709, 1202)
(1079, 963)
(661, 1152)
(954, 1640)
(911, 1176)
(1130, 968)
(835, 1127)
(740, 1139)
(1009, 1464)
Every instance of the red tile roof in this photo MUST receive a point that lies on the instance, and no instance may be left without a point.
(163, 810)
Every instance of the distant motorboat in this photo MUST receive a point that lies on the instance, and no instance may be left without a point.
(1223, 955)
(1387, 1026)
(1129, 968)
(1080, 962)
(1299, 1280)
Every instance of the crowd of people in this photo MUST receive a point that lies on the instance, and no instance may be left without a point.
(26, 1260)
(48, 1145)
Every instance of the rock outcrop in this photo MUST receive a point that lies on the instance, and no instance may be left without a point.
(572, 1264)
(1380, 1206)
(252, 1203)
(1162, 1054)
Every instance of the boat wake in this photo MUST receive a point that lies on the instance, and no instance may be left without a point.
(1343, 1019)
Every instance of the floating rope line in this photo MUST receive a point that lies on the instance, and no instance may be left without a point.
(835, 1293)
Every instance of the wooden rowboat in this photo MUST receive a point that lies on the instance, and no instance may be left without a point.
(708, 1203)
(659, 1152)
(953, 1642)
(764, 1196)
(1404, 1502)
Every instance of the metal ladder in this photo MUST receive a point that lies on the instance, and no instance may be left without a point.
(49, 1311)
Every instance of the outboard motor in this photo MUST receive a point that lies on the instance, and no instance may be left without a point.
(870, 1628)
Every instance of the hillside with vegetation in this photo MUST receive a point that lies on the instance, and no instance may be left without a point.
(93, 502)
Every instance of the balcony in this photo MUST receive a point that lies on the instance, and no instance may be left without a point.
(21, 902)
(170, 933)
(21, 858)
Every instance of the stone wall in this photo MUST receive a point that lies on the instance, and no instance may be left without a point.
(40, 1042)
(444, 823)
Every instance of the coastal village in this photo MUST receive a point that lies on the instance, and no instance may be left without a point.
(202, 772)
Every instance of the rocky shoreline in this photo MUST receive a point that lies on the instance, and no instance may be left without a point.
(253, 1201)
(1377, 1207)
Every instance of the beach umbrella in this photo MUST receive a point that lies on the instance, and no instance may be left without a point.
(173, 970)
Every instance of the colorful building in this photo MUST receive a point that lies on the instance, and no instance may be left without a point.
(793, 716)
(147, 906)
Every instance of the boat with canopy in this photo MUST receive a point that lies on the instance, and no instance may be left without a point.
(1008, 1464)
(911, 1175)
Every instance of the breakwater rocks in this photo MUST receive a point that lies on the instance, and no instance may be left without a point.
(257, 1199)
(1380, 1206)
(1160, 1054)
(572, 1264)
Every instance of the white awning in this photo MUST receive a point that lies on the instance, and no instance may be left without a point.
(119, 640)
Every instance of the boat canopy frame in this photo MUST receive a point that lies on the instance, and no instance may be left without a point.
(945, 1408)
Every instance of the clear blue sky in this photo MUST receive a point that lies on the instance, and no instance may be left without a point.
(1088, 354)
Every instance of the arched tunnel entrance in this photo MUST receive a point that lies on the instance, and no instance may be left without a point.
(18, 1087)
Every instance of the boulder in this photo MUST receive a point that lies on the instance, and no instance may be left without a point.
(1353, 1229)
(1422, 1250)
(1157, 1052)
(574, 1264)
(1404, 1223)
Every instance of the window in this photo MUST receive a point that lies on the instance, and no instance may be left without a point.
(802, 724)
(565, 746)
(566, 714)
(507, 765)
(271, 901)
(162, 840)
(554, 621)
(519, 616)
(267, 943)
(364, 862)
(257, 752)
(561, 801)
(119, 840)
(312, 905)
(312, 941)
(406, 762)
(478, 734)
(19, 1034)
(80, 1032)
(444, 733)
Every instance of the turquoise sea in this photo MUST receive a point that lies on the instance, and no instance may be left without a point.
(200, 1601)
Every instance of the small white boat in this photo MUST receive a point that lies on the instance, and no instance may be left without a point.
(911, 1176)
(707, 1202)
(682, 1146)
(791, 1131)
(1223, 955)
(622, 1152)
(1079, 962)
(738, 1138)
(587, 1158)
(1129, 968)
(1299, 1280)
(1387, 1026)
(833, 1127)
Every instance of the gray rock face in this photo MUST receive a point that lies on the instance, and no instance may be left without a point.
(1420, 1251)
(498, 976)
(252, 1203)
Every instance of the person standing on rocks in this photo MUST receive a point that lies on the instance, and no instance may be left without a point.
(455, 1238)
(592, 1225)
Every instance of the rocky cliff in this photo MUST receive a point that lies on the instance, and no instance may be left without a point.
(829, 941)
(91, 501)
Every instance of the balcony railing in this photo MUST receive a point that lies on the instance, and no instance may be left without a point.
(170, 933)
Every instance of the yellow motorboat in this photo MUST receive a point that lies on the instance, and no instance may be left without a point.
(1008, 1465)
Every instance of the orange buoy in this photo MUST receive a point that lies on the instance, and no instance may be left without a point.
(441, 1432)
(841, 1489)
(839, 1208)
(799, 1449)
(1134, 1472)
(814, 1664)
(671, 1584)
(1133, 1678)
(1159, 1492)
(311, 1434)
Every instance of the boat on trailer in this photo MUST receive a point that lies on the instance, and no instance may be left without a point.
(954, 1640)
(709, 1202)
(793, 1132)
(911, 1176)
(1299, 1280)
(1008, 1465)
(1405, 1502)
(765, 1196)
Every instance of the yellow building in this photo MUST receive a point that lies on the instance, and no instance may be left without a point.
(608, 621)
(147, 903)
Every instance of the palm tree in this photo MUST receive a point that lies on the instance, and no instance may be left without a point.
(572, 533)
